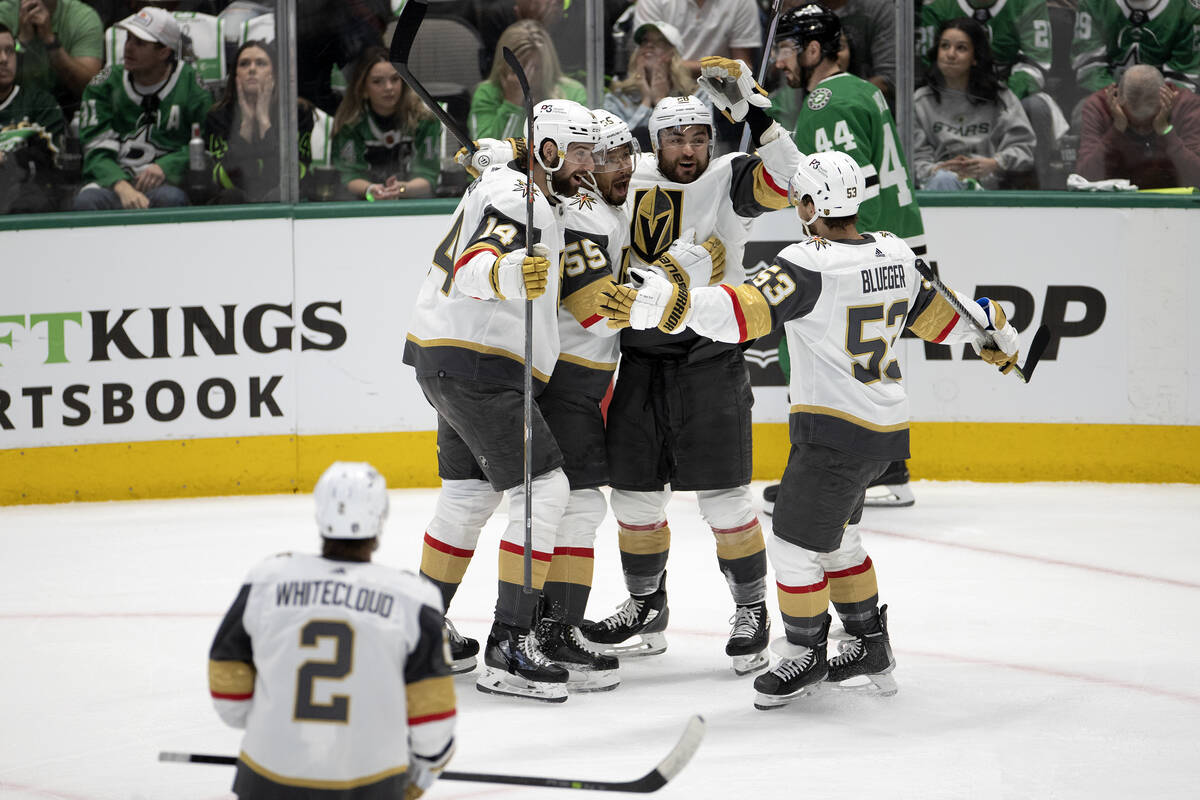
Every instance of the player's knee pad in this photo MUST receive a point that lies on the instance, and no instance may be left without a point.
(794, 565)
(463, 508)
(724, 509)
(550, 492)
(585, 511)
(640, 508)
(850, 554)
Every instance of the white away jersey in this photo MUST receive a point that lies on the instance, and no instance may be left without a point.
(456, 334)
(332, 665)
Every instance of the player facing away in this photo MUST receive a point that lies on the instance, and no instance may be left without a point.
(679, 419)
(842, 298)
(466, 342)
(334, 666)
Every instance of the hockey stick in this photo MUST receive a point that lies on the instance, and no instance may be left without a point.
(407, 24)
(1036, 347)
(652, 781)
(531, 238)
(762, 67)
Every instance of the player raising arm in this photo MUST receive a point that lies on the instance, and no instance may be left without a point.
(842, 298)
(335, 666)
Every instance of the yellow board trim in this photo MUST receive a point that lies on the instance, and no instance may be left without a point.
(275, 464)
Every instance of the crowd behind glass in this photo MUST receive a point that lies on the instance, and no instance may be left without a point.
(108, 104)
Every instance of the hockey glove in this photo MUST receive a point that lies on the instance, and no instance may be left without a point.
(651, 302)
(488, 152)
(1004, 336)
(731, 85)
(518, 275)
(686, 262)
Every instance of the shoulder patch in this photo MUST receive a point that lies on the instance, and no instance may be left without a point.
(818, 98)
(818, 242)
(101, 76)
(583, 201)
(523, 186)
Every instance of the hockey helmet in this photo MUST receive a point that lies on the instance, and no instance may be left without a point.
(563, 122)
(614, 134)
(811, 22)
(680, 112)
(352, 501)
(833, 180)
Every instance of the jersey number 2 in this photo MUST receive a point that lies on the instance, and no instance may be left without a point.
(338, 707)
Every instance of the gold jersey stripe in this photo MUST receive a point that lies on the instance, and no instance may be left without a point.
(585, 303)
(644, 543)
(231, 677)
(740, 544)
(931, 324)
(478, 348)
(765, 193)
(754, 310)
(430, 697)
(837, 412)
(603, 366)
(312, 783)
(854, 588)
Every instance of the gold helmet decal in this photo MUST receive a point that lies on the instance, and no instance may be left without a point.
(656, 220)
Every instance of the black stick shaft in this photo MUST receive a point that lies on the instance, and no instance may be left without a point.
(762, 66)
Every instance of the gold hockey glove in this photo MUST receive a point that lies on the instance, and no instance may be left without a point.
(731, 85)
(488, 152)
(516, 274)
(655, 303)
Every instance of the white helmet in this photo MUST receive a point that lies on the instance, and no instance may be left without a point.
(680, 112)
(564, 122)
(352, 501)
(614, 133)
(833, 180)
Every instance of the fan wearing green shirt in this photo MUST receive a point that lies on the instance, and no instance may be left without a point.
(61, 44)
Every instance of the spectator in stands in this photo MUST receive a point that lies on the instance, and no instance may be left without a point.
(1143, 129)
(566, 21)
(728, 28)
(1111, 34)
(61, 46)
(870, 26)
(384, 139)
(136, 119)
(333, 33)
(969, 128)
(242, 130)
(497, 107)
(31, 135)
(655, 71)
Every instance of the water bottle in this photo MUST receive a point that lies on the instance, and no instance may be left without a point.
(197, 166)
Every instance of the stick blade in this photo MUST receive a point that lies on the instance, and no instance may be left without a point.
(407, 25)
(684, 749)
(1036, 348)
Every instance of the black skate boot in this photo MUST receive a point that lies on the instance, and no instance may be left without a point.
(515, 665)
(770, 494)
(644, 616)
(868, 654)
(462, 650)
(747, 644)
(589, 671)
(891, 488)
(799, 672)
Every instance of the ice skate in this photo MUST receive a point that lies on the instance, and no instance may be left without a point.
(891, 488)
(514, 665)
(462, 650)
(747, 644)
(799, 672)
(864, 663)
(770, 494)
(588, 670)
(641, 616)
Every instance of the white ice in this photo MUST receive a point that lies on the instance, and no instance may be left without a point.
(1046, 637)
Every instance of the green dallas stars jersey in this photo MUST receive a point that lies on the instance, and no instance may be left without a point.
(849, 114)
(1114, 33)
(1020, 33)
(122, 130)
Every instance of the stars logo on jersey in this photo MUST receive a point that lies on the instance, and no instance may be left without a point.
(138, 150)
(819, 98)
(583, 201)
(656, 216)
(524, 187)
(819, 242)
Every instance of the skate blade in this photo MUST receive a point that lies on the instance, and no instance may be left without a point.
(647, 644)
(770, 702)
(899, 496)
(881, 685)
(495, 681)
(752, 662)
(583, 681)
(463, 665)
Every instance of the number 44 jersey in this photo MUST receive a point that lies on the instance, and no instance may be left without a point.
(846, 113)
(337, 670)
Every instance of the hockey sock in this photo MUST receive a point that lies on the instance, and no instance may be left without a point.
(644, 550)
(742, 556)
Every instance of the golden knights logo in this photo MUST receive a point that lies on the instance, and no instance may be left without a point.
(523, 187)
(583, 201)
(656, 218)
(818, 242)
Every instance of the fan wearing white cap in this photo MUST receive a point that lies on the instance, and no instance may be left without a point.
(336, 650)
(842, 298)
(136, 119)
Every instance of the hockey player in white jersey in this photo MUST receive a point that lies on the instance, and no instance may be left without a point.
(679, 419)
(466, 342)
(842, 298)
(334, 666)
